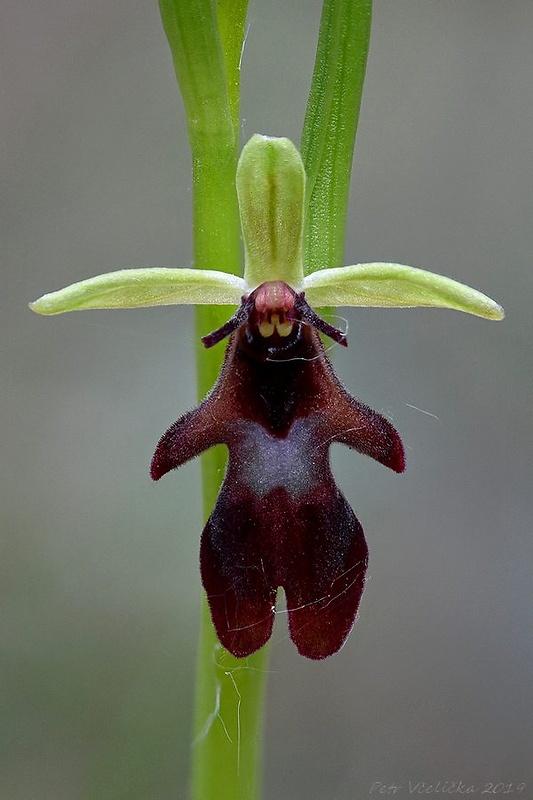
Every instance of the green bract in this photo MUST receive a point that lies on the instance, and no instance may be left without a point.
(271, 190)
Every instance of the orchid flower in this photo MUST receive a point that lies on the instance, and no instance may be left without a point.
(280, 520)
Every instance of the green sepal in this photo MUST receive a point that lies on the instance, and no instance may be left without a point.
(271, 191)
(146, 286)
(395, 286)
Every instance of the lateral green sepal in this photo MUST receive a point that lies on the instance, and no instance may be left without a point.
(395, 286)
(146, 286)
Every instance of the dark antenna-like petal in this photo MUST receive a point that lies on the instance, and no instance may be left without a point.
(229, 327)
(310, 316)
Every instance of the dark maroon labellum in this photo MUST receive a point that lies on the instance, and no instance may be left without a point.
(280, 519)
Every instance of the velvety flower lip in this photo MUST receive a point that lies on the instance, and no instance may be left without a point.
(280, 519)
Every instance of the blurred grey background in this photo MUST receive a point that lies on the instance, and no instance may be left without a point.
(99, 581)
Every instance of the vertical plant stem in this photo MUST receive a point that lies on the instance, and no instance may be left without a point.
(330, 127)
(206, 41)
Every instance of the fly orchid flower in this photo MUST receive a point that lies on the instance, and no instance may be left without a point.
(279, 520)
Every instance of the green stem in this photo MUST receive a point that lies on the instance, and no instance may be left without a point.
(206, 43)
(330, 127)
